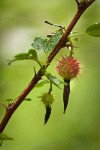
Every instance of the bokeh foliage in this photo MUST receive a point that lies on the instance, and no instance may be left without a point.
(78, 129)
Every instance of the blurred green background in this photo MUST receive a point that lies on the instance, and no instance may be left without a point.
(79, 128)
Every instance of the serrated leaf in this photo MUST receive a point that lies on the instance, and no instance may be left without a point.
(53, 41)
(39, 44)
(46, 45)
(94, 30)
(53, 79)
(41, 83)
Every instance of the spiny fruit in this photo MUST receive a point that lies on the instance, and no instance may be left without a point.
(68, 67)
(47, 99)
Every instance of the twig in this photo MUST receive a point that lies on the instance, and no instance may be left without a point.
(11, 109)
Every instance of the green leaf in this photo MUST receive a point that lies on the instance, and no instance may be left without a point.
(76, 39)
(54, 39)
(53, 79)
(46, 45)
(41, 83)
(9, 100)
(28, 99)
(39, 44)
(31, 55)
(94, 30)
(4, 137)
(21, 56)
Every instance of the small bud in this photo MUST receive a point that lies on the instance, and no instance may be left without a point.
(68, 67)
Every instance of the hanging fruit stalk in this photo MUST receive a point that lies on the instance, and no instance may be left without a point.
(66, 93)
(68, 68)
(47, 114)
(47, 99)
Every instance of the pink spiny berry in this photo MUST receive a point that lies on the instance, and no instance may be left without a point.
(68, 67)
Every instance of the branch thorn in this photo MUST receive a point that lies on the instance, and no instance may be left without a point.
(77, 2)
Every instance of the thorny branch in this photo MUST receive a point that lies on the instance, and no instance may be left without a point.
(82, 6)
